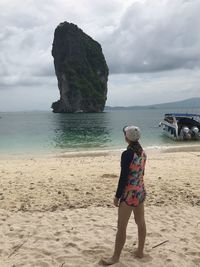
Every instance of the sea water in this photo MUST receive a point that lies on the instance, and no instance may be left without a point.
(47, 132)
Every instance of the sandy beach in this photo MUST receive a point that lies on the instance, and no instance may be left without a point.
(56, 210)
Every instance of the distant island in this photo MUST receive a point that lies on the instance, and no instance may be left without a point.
(185, 104)
(81, 71)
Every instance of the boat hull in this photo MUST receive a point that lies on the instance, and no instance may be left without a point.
(181, 127)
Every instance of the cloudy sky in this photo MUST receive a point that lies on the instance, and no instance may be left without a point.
(152, 48)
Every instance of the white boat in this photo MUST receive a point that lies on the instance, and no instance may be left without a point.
(181, 126)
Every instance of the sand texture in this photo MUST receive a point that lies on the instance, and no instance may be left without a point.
(57, 210)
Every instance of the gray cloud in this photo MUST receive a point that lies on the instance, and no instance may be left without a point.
(142, 37)
(137, 37)
(152, 88)
(155, 36)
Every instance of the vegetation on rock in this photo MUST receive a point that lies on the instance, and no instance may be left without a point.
(81, 71)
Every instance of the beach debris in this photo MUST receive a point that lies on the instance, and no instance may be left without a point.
(109, 175)
(188, 184)
(160, 244)
(53, 208)
(16, 248)
(198, 202)
(159, 202)
(31, 188)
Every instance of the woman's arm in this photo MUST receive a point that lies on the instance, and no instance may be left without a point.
(126, 159)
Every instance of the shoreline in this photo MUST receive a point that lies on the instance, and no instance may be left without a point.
(99, 152)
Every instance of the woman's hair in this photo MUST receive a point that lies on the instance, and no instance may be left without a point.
(136, 147)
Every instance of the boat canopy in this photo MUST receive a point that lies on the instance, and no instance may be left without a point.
(181, 115)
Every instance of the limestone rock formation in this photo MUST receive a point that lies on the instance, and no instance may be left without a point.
(81, 71)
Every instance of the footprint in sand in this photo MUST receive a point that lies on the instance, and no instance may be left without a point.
(154, 235)
(62, 260)
(197, 238)
(196, 261)
(41, 264)
(184, 239)
(70, 244)
(89, 252)
(193, 253)
(164, 230)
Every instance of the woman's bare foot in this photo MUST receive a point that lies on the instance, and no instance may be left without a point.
(138, 254)
(109, 261)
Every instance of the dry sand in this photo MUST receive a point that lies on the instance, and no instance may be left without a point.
(57, 210)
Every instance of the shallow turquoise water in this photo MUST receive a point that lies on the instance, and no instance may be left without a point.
(28, 132)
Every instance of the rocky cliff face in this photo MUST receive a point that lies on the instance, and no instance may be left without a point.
(81, 71)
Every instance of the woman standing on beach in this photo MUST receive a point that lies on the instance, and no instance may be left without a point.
(130, 194)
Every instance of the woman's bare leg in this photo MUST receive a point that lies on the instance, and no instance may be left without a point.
(140, 221)
(124, 213)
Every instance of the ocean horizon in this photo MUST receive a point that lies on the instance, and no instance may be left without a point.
(40, 132)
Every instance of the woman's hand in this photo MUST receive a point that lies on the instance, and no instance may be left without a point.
(116, 201)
